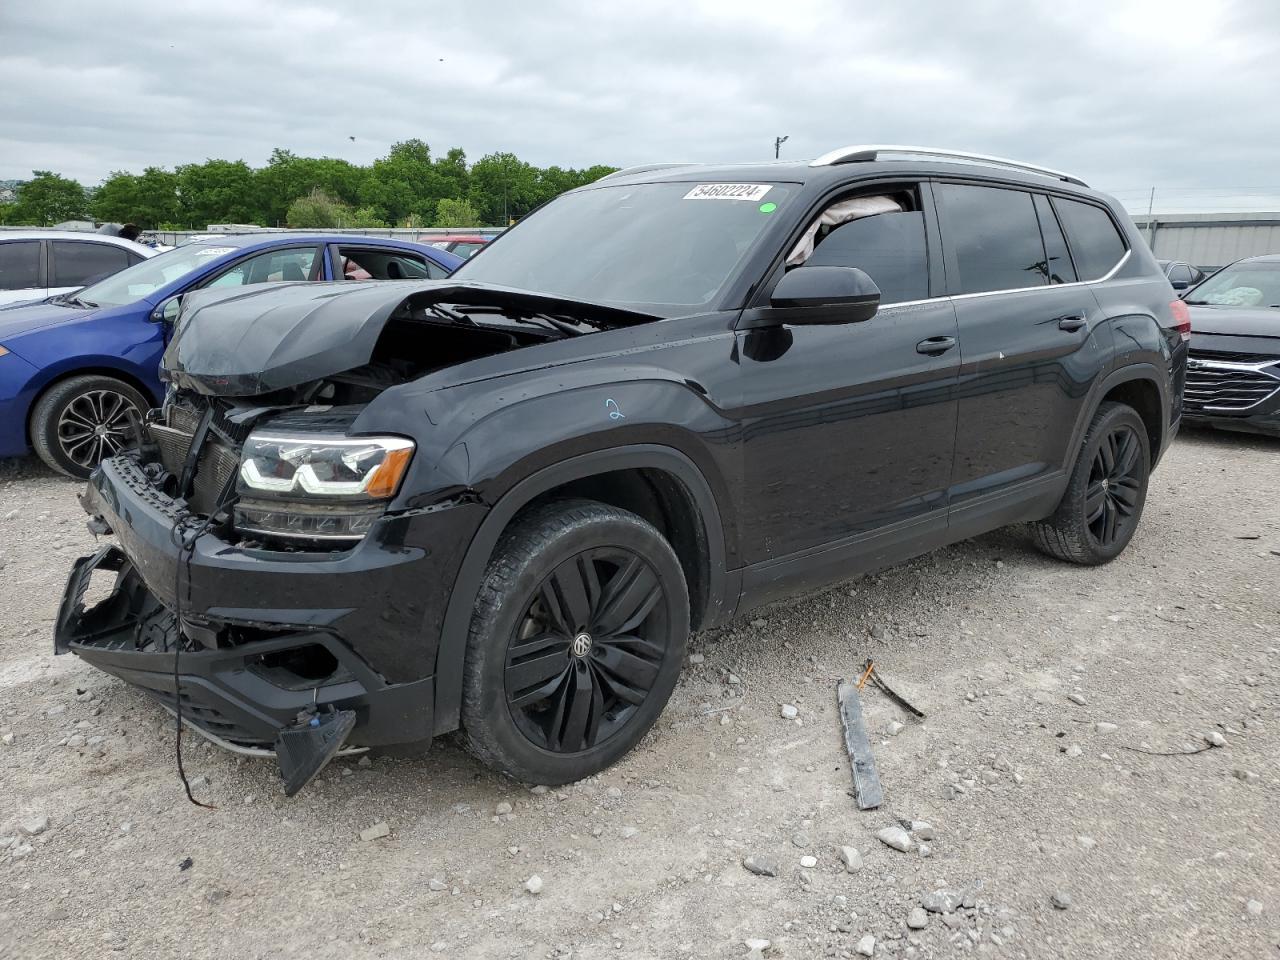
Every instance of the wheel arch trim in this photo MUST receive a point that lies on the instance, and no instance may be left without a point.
(723, 586)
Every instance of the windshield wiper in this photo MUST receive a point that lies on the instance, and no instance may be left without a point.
(545, 319)
(445, 313)
(82, 304)
(1198, 303)
(555, 322)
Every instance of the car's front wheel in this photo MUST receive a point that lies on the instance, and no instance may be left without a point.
(1102, 506)
(576, 642)
(82, 420)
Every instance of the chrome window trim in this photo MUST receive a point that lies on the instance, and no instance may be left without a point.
(996, 293)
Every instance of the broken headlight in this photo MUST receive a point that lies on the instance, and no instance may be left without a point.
(317, 487)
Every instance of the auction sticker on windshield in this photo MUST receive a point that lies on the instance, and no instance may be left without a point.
(728, 191)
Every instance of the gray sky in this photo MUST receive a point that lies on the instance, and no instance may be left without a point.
(1126, 93)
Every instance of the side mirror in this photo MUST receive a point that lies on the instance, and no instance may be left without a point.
(1180, 284)
(826, 295)
(168, 311)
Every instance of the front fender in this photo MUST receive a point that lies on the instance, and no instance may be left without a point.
(724, 586)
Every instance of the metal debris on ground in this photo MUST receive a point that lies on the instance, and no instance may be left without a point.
(866, 783)
(870, 673)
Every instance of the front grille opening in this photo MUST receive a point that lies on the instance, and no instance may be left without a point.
(300, 668)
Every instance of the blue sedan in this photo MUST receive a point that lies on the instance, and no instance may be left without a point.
(76, 369)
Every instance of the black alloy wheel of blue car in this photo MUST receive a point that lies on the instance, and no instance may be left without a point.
(576, 643)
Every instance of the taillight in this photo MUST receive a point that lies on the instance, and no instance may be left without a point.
(1181, 318)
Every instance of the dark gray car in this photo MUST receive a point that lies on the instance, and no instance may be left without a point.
(1233, 372)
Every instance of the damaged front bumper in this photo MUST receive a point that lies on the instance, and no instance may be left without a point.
(264, 635)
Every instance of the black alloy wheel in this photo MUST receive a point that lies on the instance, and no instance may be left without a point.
(1106, 490)
(587, 651)
(1111, 500)
(576, 642)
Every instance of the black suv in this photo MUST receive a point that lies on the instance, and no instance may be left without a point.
(502, 501)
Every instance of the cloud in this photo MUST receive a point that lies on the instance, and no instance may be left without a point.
(1127, 93)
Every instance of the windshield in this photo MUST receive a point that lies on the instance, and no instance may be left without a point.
(662, 248)
(1241, 285)
(134, 283)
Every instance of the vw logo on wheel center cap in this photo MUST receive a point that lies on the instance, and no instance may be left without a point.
(581, 645)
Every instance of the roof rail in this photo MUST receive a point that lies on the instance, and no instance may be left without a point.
(642, 168)
(863, 153)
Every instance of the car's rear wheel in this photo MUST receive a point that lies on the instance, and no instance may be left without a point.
(82, 420)
(575, 644)
(1102, 506)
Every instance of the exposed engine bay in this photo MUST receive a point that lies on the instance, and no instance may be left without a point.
(254, 437)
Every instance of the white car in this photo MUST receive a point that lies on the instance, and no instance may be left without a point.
(35, 264)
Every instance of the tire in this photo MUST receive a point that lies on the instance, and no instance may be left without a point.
(1102, 506)
(65, 422)
(576, 642)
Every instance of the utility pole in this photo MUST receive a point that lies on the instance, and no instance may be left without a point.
(777, 145)
(1151, 227)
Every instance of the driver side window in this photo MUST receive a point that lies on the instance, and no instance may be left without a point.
(290, 265)
(888, 247)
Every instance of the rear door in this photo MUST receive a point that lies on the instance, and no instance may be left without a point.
(1028, 346)
(353, 262)
(77, 263)
(848, 430)
(22, 272)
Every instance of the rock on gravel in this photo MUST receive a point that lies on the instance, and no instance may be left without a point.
(379, 829)
(1214, 738)
(808, 862)
(1078, 699)
(895, 837)
(761, 865)
(534, 884)
(789, 711)
(1253, 908)
(867, 945)
(917, 919)
(851, 859)
(1061, 900)
(922, 829)
(942, 901)
(34, 826)
(756, 946)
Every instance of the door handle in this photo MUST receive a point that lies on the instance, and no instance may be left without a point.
(1072, 323)
(935, 346)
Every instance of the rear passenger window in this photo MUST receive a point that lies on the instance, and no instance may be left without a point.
(1096, 244)
(76, 264)
(888, 247)
(19, 264)
(1057, 257)
(994, 237)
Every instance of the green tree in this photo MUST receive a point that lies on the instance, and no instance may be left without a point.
(286, 177)
(456, 213)
(148, 200)
(407, 182)
(217, 191)
(503, 187)
(47, 199)
(316, 210)
(6, 212)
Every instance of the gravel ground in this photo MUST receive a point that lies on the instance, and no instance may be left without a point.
(1042, 682)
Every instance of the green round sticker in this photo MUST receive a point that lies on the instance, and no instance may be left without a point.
(768, 207)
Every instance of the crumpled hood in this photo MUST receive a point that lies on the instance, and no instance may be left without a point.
(20, 318)
(1236, 321)
(246, 341)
